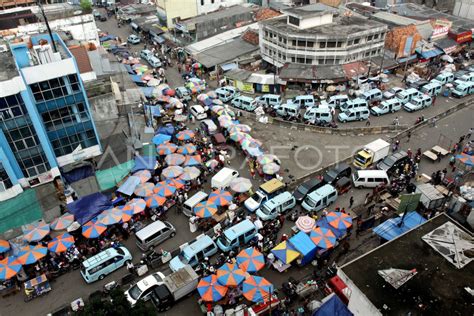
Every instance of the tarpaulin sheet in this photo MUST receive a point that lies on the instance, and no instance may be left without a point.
(390, 229)
(107, 38)
(129, 69)
(323, 222)
(109, 178)
(88, 207)
(137, 78)
(129, 185)
(426, 54)
(333, 307)
(144, 163)
(20, 210)
(168, 129)
(147, 91)
(304, 245)
(78, 174)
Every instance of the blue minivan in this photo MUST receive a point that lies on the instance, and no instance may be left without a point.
(237, 236)
(105, 262)
(194, 253)
(281, 203)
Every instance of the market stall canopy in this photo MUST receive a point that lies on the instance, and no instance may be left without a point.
(89, 206)
(285, 252)
(304, 245)
(144, 163)
(129, 185)
(333, 306)
(391, 228)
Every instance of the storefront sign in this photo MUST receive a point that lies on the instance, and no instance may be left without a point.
(443, 22)
(439, 32)
(265, 88)
(463, 37)
(244, 87)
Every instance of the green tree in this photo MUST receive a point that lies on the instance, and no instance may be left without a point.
(86, 5)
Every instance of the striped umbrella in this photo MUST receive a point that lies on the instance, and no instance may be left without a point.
(143, 175)
(177, 183)
(217, 102)
(237, 136)
(174, 159)
(217, 108)
(136, 205)
(166, 149)
(127, 213)
(172, 172)
(339, 220)
(212, 164)
(35, 232)
(268, 158)
(187, 149)
(62, 222)
(190, 173)
(240, 185)
(220, 197)
(93, 229)
(4, 245)
(466, 159)
(205, 209)
(193, 160)
(163, 189)
(270, 168)
(250, 260)
(144, 189)
(305, 223)
(110, 216)
(185, 135)
(257, 289)
(155, 201)
(30, 254)
(255, 152)
(61, 243)
(240, 128)
(225, 121)
(323, 237)
(210, 290)
(229, 274)
(9, 267)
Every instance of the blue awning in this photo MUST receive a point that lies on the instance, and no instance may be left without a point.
(88, 207)
(129, 69)
(390, 229)
(426, 54)
(144, 163)
(160, 139)
(148, 91)
(333, 306)
(227, 67)
(137, 78)
(129, 185)
(412, 57)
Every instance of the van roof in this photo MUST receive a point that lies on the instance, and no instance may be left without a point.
(272, 185)
(324, 190)
(150, 229)
(370, 173)
(244, 97)
(195, 199)
(408, 91)
(373, 91)
(306, 96)
(198, 107)
(100, 257)
(239, 229)
(198, 245)
(357, 100)
(275, 200)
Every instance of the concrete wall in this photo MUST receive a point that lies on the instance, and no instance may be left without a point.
(173, 9)
(216, 26)
(209, 6)
(464, 9)
(315, 21)
(104, 107)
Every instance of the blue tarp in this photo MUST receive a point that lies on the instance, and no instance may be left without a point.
(333, 307)
(129, 69)
(148, 91)
(207, 102)
(78, 174)
(426, 54)
(89, 206)
(107, 38)
(389, 229)
(323, 222)
(129, 185)
(154, 110)
(160, 139)
(144, 163)
(168, 129)
(137, 78)
(304, 245)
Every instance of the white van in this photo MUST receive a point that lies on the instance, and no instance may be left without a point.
(358, 114)
(372, 95)
(407, 95)
(222, 179)
(269, 99)
(336, 101)
(154, 62)
(354, 104)
(318, 114)
(198, 112)
(189, 204)
(319, 199)
(303, 100)
(370, 178)
(154, 234)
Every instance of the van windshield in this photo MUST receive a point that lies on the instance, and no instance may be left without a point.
(266, 210)
(257, 197)
(224, 240)
(310, 202)
(183, 258)
(361, 159)
(135, 292)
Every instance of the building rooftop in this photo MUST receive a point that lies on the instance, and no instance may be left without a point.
(309, 73)
(309, 11)
(7, 66)
(393, 19)
(220, 14)
(225, 52)
(344, 25)
(436, 289)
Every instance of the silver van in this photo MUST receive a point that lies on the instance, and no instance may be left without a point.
(244, 103)
(358, 114)
(433, 88)
(154, 234)
(407, 95)
(354, 104)
(189, 204)
(303, 101)
(154, 62)
(318, 114)
(372, 95)
(336, 101)
(269, 99)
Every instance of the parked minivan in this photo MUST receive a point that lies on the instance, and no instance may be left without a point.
(227, 93)
(433, 88)
(208, 127)
(264, 193)
(146, 54)
(288, 109)
(444, 77)
(318, 114)
(320, 198)
(303, 101)
(245, 103)
(154, 234)
(372, 95)
(418, 103)
(105, 262)
(189, 204)
(407, 95)
(269, 99)
(369, 178)
(354, 104)
(198, 112)
(336, 101)
(194, 253)
(276, 206)
(463, 89)
(237, 236)
(393, 161)
(223, 178)
(154, 62)
(387, 106)
(358, 114)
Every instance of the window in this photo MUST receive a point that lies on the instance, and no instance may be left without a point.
(293, 20)
(322, 45)
(376, 36)
(212, 1)
(293, 42)
(356, 41)
(300, 60)
(331, 44)
(5, 182)
(266, 33)
(309, 61)
(369, 38)
(310, 44)
(302, 43)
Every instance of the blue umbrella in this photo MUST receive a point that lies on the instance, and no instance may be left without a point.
(160, 139)
(257, 289)
(166, 130)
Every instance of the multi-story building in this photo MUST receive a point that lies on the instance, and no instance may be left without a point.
(45, 119)
(305, 35)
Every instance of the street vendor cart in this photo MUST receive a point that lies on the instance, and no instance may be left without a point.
(36, 287)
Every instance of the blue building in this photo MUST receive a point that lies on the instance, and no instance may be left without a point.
(45, 119)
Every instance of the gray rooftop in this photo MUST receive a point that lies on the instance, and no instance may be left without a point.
(437, 286)
(220, 14)
(224, 53)
(7, 66)
(298, 72)
(393, 19)
(311, 10)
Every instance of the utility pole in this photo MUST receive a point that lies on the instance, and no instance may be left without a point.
(38, 2)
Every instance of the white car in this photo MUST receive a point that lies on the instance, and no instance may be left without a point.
(198, 112)
(143, 288)
(390, 93)
(133, 39)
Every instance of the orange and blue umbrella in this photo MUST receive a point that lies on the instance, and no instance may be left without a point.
(143, 175)
(285, 252)
(93, 229)
(193, 160)
(166, 149)
(35, 232)
(257, 289)
(185, 135)
(144, 189)
(136, 205)
(229, 274)
(174, 159)
(164, 189)
(177, 183)
(9, 267)
(62, 222)
(250, 260)
(466, 159)
(127, 213)
(161, 139)
(172, 172)
(4, 245)
(155, 201)
(220, 197)
(61, 243)
(187, 149)
(339, 220)
(210, 289)
(190, 173)
(323, 237)
(30, 254)
(110, 216)
(237, 136)
(205, 209)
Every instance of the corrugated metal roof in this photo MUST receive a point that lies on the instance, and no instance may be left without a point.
(393, 18)
(225, 52)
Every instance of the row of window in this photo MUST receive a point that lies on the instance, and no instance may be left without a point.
(55, 88)
(5, 182)
(66, 145)
(65, 117)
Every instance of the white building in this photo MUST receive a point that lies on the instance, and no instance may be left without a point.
(206, 6)
(464, 9)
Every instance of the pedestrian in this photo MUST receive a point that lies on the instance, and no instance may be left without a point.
(366, 201)
(130, 267)
(270, 259)
(434, 100)
(408, 136)
(351, 202)
(367, 123)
